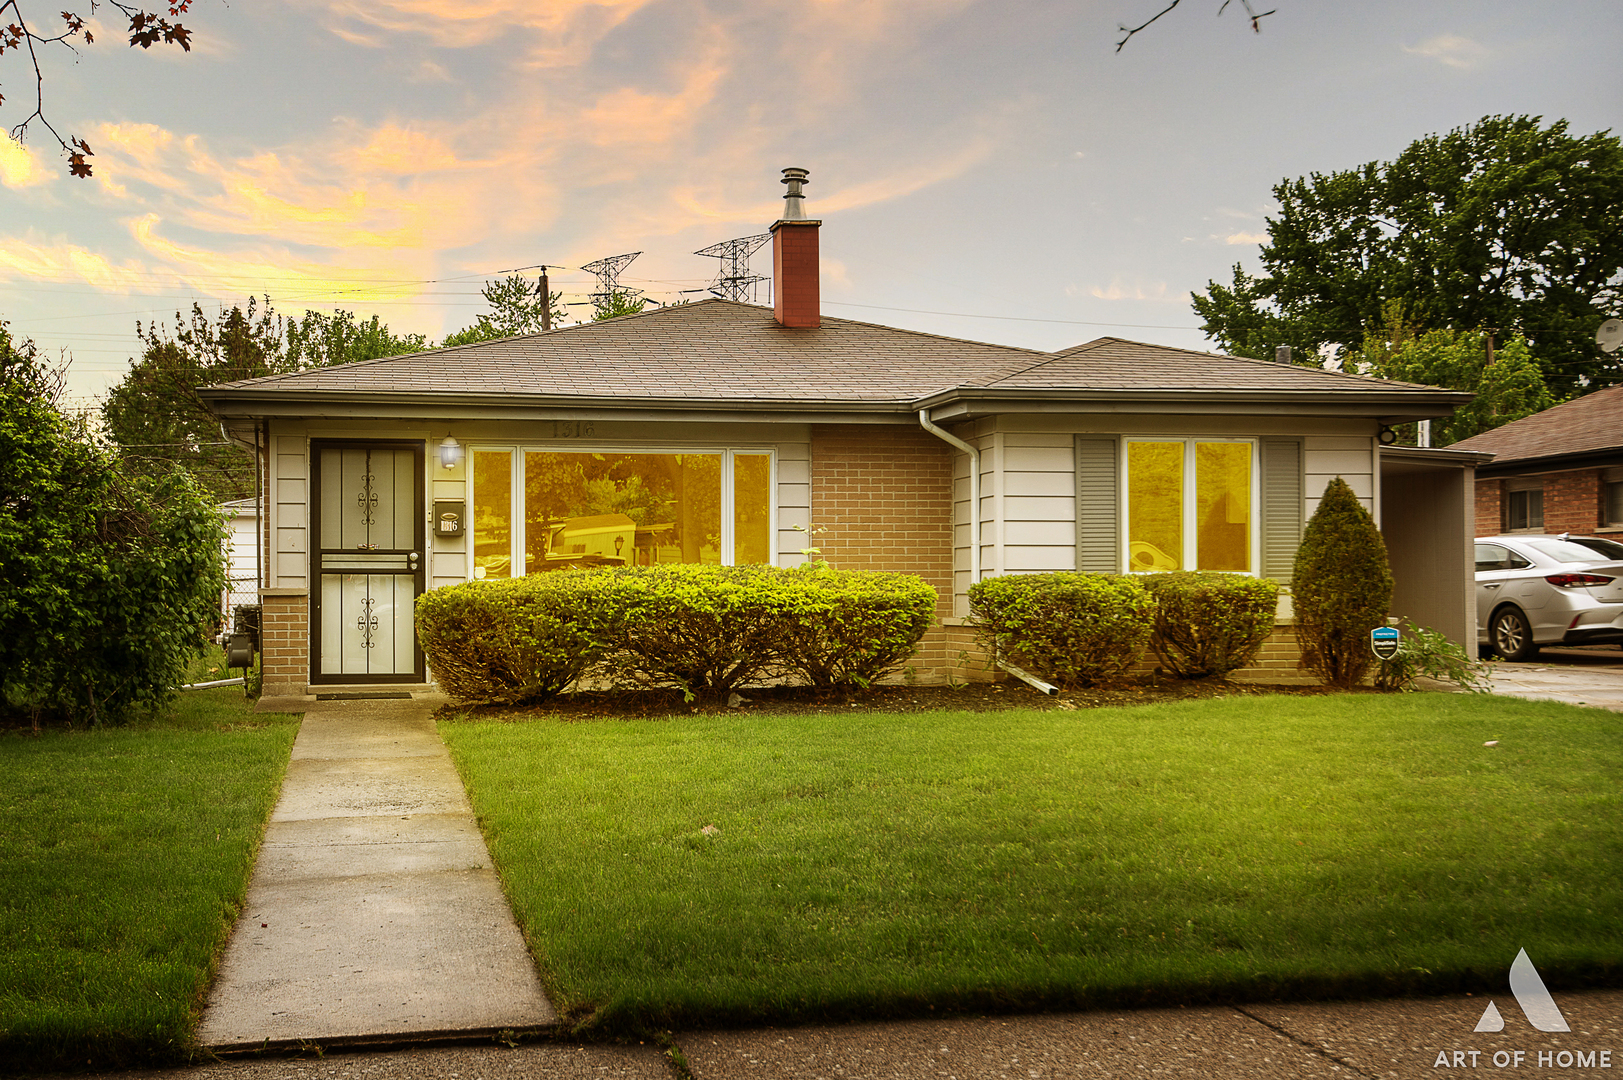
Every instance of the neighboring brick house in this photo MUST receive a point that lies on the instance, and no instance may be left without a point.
(1557, 471)
(731, 433)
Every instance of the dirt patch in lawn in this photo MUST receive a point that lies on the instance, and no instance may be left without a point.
(971, 697)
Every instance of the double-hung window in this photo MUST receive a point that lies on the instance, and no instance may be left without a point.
(537, 509)
(1191, 504)
(1524, 505)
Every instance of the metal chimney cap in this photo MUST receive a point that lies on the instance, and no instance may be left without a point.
(796, 208)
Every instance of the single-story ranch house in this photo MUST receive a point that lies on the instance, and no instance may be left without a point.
(725, 432)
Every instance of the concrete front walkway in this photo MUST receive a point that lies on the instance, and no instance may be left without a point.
(373, 911)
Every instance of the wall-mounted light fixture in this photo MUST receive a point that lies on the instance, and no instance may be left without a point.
(450, 451)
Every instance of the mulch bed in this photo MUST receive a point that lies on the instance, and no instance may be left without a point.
(970, 697)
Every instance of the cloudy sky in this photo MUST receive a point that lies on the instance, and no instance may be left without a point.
(989, 170)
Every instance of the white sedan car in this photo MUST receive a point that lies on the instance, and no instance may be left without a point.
(1547, 590)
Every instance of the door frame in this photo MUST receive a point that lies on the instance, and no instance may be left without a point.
(419, 672)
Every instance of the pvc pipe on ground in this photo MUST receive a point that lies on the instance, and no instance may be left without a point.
(1029, 679)
(217, 682)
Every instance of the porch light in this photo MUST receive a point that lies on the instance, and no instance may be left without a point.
(450, 451)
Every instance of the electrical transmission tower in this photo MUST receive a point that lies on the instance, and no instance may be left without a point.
(607, 272)
(734, 280)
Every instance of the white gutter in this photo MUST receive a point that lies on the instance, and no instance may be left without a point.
(974, 489)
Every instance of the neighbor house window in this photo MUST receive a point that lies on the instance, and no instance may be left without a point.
(1611, 490)
(543, 509)
(1191, 504)
(1524, 505)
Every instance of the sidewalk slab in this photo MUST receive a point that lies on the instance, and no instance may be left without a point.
(373, 911)
(1390, 1040)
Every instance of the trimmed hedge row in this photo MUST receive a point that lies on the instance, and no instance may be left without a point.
(1208, 623)
(701, 629)
(1082, 630)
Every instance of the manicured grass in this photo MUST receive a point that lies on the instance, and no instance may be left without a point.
(124, 854)
(736, 868)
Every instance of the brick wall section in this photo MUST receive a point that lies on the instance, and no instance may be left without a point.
(796, 287)
(1490, 514)
(1573, 502)
(284, 659)
(883, 495)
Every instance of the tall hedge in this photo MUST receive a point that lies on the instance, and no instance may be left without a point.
(1341, 588)
(1076, 630)
(109, 583)
(1208, 623)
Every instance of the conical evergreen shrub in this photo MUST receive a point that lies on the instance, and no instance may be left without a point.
(1340, 588)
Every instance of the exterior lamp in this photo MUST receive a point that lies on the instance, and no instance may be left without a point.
(450, 451)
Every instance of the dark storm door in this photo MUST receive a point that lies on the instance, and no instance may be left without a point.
(368, 561)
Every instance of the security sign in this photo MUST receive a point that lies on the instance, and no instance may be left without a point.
(1384, 640)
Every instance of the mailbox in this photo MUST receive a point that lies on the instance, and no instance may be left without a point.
(448, 517)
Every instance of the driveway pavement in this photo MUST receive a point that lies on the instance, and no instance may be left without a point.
(1589, 676)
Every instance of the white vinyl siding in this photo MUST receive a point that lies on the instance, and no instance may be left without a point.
(290, 482)
(1039, 502)
(794, 503)
(1326, 457)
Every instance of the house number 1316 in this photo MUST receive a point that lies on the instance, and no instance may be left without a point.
(572, 429)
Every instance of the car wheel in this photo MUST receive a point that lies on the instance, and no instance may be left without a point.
(1511, 635)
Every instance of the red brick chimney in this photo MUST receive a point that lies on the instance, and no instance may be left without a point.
(796, 300)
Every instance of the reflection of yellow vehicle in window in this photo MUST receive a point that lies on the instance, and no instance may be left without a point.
(598, 540)
(1143, 558)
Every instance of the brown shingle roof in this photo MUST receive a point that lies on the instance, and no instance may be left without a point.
(726, 352)
(1115, 363)
(1583, 425)
(713, 349)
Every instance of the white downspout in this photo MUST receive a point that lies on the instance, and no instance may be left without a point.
(974, 489)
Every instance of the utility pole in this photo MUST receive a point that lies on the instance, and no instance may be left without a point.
(546, 302)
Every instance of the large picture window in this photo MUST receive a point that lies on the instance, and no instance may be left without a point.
(1191, 505)
(536, 510)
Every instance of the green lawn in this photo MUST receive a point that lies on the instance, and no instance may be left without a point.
(124, 854)
(737, 868)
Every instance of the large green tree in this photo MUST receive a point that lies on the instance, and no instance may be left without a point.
(155, 414)
(1504, 376)
(108, 580)
(321, 340)
(1506, 226)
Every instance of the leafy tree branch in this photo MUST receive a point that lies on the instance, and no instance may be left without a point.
(146, 29)
(1251, 14)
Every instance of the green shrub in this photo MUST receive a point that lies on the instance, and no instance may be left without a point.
(1340, 588)
(1426, 652)
(703, 630)
(848, 628)
(1208, 623)
(1072, 629)
(108, 582)
(521, 639)
(699, 628)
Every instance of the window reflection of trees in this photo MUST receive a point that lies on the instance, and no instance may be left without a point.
(673, 500)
